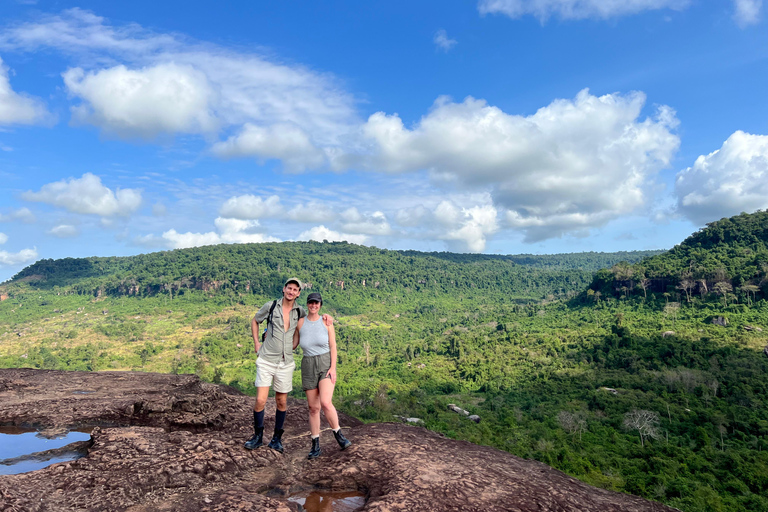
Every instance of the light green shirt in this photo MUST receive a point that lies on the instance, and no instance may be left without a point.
(278, 344)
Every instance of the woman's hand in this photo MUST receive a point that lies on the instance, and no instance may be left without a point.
(332, 375)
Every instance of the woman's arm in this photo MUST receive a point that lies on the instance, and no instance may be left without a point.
(296, 335)
(332, 345)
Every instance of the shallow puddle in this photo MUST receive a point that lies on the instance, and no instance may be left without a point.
(328, 501)
(24, 450)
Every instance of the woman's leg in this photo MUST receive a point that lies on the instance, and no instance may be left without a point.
(325, 388)
(313, 402)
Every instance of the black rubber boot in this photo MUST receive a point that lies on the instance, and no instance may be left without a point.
(343, 441)
(315, 451)
(277, 443)
(256, 441)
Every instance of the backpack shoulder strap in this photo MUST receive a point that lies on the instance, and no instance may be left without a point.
(271, 309)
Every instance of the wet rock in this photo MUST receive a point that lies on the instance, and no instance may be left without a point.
(174, 443)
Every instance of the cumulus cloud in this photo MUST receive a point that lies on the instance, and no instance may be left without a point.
(576, 9)
(229, 231)
(17, 258)
(167, 83)
(465, 229)
(747, 12)
(249, 206)
(64, 231)
(21, 214)
(284, 142)
(312, 212)
(166, 98)
(87, 195)
(3, 238)
(320, 233)
(374, 224)
(442, 41)
(18, 108)
(726, 182)
(573, 165)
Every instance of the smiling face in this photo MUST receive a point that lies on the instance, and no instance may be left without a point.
(313, 306)
(291, 291)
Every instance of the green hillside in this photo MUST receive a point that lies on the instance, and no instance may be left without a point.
(617, 376)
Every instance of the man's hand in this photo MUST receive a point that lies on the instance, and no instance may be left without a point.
(327, 319)
(256, 347)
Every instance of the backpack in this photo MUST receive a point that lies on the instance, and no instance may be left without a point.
(269, 321)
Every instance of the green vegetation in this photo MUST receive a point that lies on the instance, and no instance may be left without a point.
(617, 376)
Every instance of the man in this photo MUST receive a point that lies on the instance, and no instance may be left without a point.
(275, 359)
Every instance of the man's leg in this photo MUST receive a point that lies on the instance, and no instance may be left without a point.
(258, 419)
(283, 385)
(264, 374)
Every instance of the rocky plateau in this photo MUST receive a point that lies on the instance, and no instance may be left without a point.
(174, 443)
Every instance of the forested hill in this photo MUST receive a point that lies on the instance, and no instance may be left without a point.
(732, 251)
(261, 268)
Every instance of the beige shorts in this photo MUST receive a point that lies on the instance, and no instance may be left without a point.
(281, 373)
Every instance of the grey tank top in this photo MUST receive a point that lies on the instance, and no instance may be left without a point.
(313, 338)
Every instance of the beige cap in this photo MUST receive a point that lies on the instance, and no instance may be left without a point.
(293, 280)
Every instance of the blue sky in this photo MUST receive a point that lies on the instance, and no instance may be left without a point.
(497, 126)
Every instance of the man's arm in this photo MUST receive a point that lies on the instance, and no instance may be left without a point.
(255, 332)
(259, 317)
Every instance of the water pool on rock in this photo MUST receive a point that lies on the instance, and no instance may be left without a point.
(24, 450)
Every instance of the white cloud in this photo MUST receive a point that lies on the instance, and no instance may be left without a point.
(185, 240)
(166, 98)
(747, 12)
(726, 182)
(172, 84)
(230, 231)
(412, 216)
(21, 214)
(320, 233)
(249, 206)
(16, 108)
(312, 212)
(374, 224)
(573, 165)
(87, 195)
(442, 41)
(465, 229)
(64, 231)
(3, 238)
(285, 142)
(576, 9)
(17, 258)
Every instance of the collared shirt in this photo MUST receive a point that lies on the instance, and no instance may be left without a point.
(278, 344)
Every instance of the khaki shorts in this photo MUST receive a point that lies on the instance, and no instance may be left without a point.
(281, 373)
(314, 369)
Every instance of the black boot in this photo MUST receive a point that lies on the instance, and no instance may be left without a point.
(256, 441)
(276, 443)
(315, 451)
(343, 441)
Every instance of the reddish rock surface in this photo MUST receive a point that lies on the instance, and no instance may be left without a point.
(174, 443)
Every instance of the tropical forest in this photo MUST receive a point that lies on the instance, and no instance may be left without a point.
(642, 372)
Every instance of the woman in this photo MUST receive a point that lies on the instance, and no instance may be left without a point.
(318, 371)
